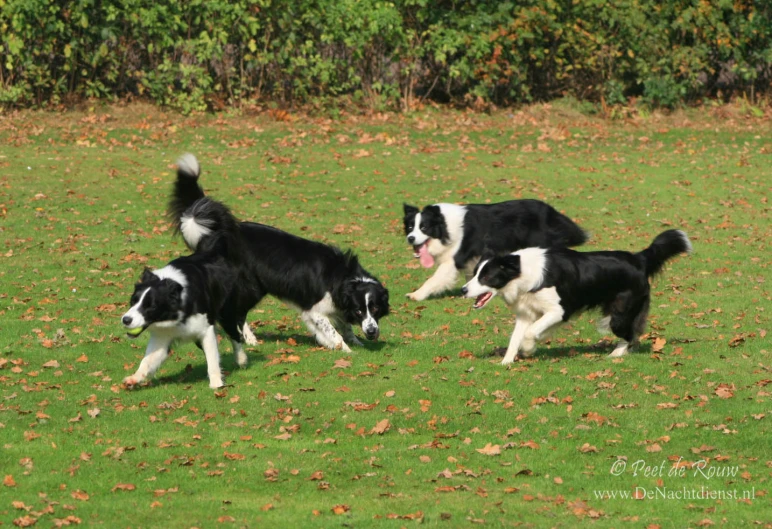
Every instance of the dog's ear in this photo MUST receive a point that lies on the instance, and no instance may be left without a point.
(348, 290)
(510, 263)
(147, 276)
(487, 254)
(173, 289)
(384, 303)
(409, 210)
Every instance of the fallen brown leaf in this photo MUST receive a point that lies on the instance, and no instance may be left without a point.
(340, 509)
(381, 427)
(490, 450)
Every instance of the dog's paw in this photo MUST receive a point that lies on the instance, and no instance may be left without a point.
(344, 347)
(508, 360)
(415, 296)
(528, 345)
(248, 335)
(242, 361)
(216, 383)
(133, 381)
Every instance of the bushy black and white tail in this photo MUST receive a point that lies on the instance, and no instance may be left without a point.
(205, 224)
(186, 188)
(666, 245)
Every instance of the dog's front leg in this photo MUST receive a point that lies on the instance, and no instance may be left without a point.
(514, 342)
(537, 329)
(212, 353)
(348, 334)
(155, 354)
(443, 279)
(324, 331)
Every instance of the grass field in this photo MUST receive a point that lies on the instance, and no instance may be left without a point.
(424, 426)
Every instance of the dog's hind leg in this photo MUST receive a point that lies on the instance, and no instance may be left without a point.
(620, 349)
(157, 351)
(233, 321)
(639, 323)
(233, 328)
(604, 324)
(628, 319)
(238, 354)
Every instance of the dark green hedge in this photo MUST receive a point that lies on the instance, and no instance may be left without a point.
(202, 53)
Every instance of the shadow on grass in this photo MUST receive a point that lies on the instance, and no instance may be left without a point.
(452, 293)
(310, 341)
(195, 373)
(602, 348)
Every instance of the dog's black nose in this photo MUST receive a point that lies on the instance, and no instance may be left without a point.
(411, 239)
(464, 290)
(126, 320)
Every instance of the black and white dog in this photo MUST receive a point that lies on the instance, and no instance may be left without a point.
(545, 287)
(455, 235)
(329, 287)
(183, 300)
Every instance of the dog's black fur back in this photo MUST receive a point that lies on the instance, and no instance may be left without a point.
(515, 224)
(501, 228)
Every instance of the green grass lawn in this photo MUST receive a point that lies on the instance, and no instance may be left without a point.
(292, 441)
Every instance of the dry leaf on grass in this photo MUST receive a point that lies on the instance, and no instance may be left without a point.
(381, 427)
(490, 450)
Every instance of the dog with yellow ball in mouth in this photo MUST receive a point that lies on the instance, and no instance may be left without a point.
(182, 301)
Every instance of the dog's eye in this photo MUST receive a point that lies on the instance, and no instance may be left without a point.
(358, 312)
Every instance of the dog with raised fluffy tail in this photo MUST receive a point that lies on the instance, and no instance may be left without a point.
(329, 287)
(545, 287)
(183, 300)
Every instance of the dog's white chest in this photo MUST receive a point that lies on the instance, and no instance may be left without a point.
(533, 305)
(192, 329)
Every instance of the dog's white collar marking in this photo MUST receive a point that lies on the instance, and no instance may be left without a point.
(532, 264)
(454, 215)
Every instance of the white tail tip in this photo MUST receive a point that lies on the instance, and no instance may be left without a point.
(686, 240)
(188, 165)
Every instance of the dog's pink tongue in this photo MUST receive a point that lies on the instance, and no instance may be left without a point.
(427, 261)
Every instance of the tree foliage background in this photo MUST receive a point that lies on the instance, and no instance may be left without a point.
(198, 54)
